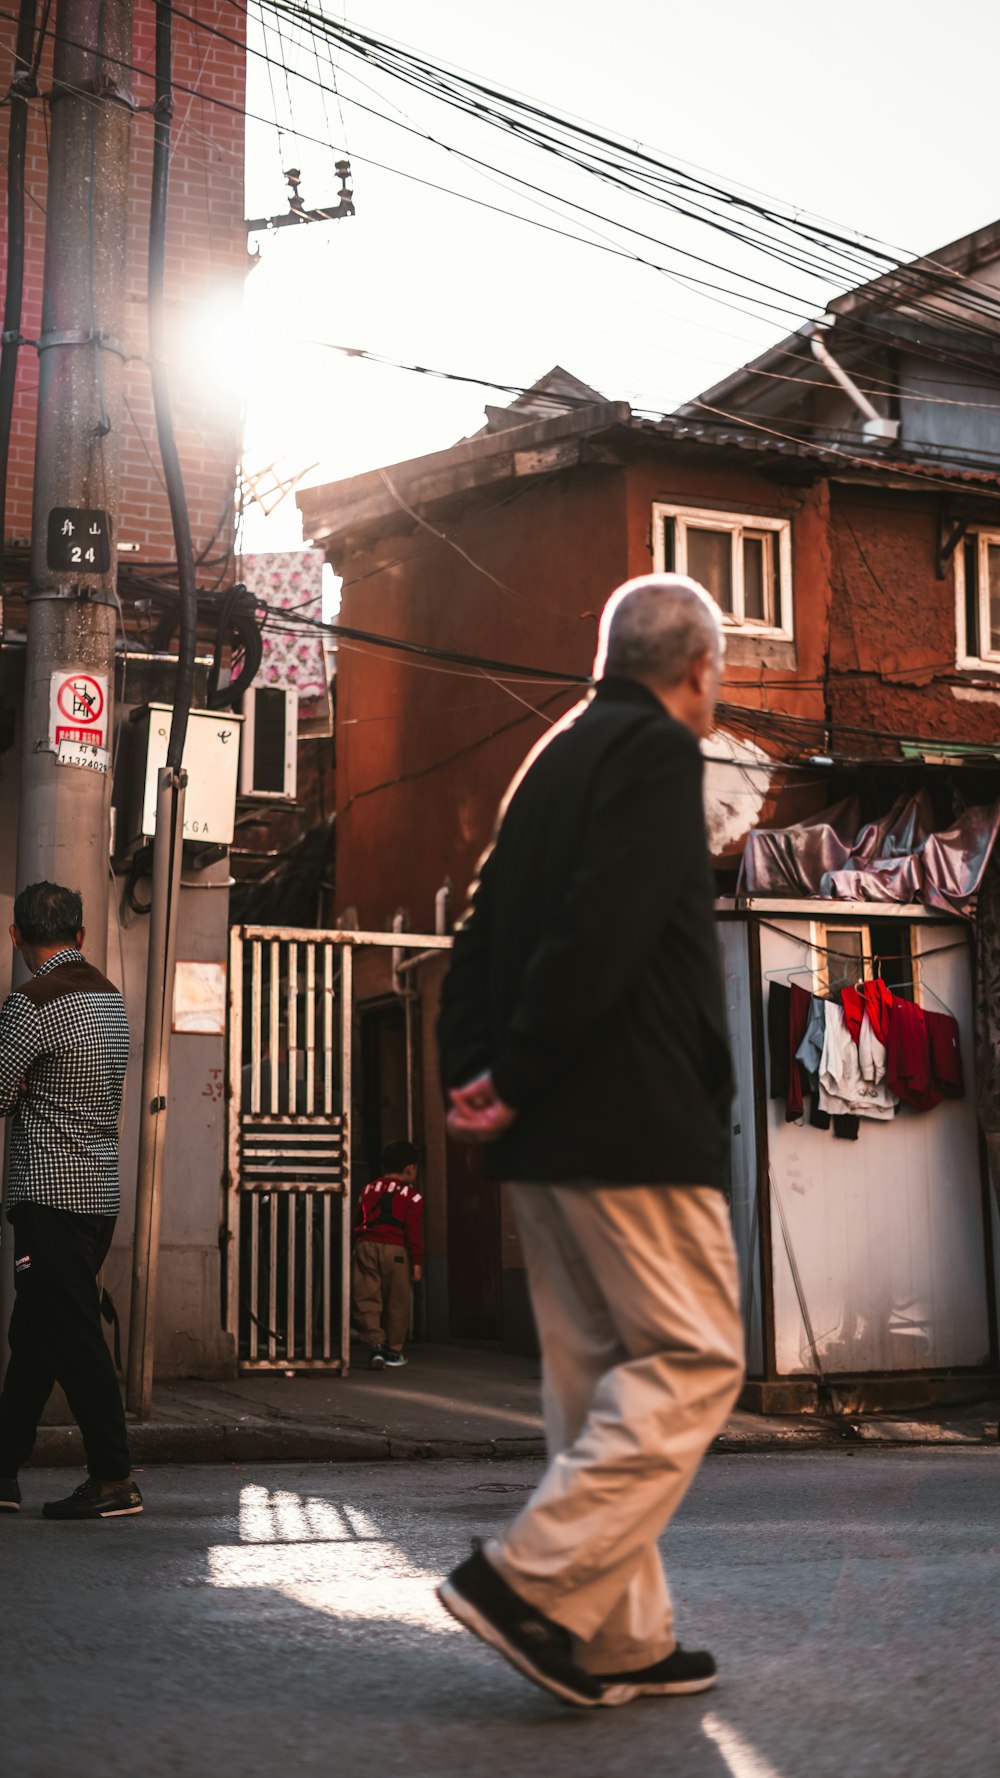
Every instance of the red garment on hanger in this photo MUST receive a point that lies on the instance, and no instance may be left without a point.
(946, 1055)
(798, 1017)
(878, 1004)
(908, 1058)
(854, 1011)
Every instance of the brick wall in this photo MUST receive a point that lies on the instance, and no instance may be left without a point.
(206, 266)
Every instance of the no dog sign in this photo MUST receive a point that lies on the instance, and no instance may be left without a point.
(78, 708)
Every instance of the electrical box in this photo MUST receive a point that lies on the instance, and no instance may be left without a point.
(211, 760)
(269, 742)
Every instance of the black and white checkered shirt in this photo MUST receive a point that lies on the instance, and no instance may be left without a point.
(63, 1054)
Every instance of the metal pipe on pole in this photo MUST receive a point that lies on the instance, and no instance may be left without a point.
(166, 884)
(168, 841)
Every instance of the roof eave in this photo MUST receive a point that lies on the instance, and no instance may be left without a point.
(349, 507)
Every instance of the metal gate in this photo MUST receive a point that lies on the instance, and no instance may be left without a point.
(288, 1196)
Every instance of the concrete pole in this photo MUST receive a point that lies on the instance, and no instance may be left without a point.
(64, 819)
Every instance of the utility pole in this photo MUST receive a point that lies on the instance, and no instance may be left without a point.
(64, 819)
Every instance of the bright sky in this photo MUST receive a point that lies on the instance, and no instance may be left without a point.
(868, 115)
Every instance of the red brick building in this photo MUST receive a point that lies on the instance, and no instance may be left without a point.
(206, 266)
(841, 501)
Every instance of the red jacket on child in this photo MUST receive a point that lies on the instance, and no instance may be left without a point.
(392, 1210)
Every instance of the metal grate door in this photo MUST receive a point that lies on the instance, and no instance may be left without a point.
(288, 1196)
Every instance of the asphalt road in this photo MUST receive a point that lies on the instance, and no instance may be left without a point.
(267, 1622)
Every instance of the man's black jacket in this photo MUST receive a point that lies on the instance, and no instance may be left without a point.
(587, 973)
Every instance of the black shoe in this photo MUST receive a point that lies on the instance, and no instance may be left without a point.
(480, 1599)
(680, 1673)
(96, 1500)
(10, 1494)
(394, 1360)
(376, 1361)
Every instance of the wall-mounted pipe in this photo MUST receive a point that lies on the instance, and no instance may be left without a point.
(442, 909)
(876, 425)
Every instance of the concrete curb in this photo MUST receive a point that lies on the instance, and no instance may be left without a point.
(220, 1442)
(225, 1442)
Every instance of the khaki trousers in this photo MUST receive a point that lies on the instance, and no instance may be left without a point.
(380, 1292)
(636, 1297)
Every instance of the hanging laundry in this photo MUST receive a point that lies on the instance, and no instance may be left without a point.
(809, 1054)
(908, 1056)
(854, 1010)
(778, 1008)
(946, 1055)
(843, 1090)
(873, 1058)
(810, 1050)
(820, 1120)
(845, 1128)
(878, 1005)
(798, 1017)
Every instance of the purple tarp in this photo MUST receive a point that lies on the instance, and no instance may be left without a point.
(897, 858)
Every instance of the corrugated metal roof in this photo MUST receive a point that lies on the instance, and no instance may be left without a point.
(708, 433)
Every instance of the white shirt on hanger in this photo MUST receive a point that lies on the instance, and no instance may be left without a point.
(846, 1085)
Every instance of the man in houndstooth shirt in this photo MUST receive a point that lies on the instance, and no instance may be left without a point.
(64, 1046)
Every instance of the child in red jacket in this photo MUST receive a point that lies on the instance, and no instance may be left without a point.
(388, 1255)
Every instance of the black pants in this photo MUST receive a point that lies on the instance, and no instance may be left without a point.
(56, 1337)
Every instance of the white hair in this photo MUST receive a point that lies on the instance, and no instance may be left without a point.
(654, 627)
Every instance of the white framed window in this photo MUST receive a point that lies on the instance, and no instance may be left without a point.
(844, 957)
(977, 599)
(848, 952)
(269, 742)
(744, 562)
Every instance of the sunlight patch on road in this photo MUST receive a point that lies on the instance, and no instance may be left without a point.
(279, 1516)
(743, 1760)
(330, 1558)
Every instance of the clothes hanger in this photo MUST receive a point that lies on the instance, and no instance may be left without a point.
(919, 982)
(771, 975)
(924, 989)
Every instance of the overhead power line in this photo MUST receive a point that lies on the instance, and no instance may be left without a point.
(836, 253)
(578, 144)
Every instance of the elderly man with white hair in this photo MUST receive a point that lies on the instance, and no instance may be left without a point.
(583, 1038)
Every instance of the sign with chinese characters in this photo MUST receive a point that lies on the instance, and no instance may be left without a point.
(79, 541)
(83, 754)
(78, 708)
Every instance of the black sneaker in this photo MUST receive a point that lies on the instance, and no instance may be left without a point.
(680, 1673)
(394, 1360)
(95, 1500)
(10, 1494)
(376, 1361)
(480, 1599)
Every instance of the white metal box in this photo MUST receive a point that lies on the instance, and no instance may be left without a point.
(211, 760)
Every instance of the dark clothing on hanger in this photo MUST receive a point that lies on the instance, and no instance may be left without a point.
(799, 1003)
(946, 1055)
(819, 1119)
(908, 1056)
(846, 1126)
(778, 1003)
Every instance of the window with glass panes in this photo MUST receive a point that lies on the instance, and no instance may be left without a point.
(977, 580)
(744, 562)
(847, 954)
